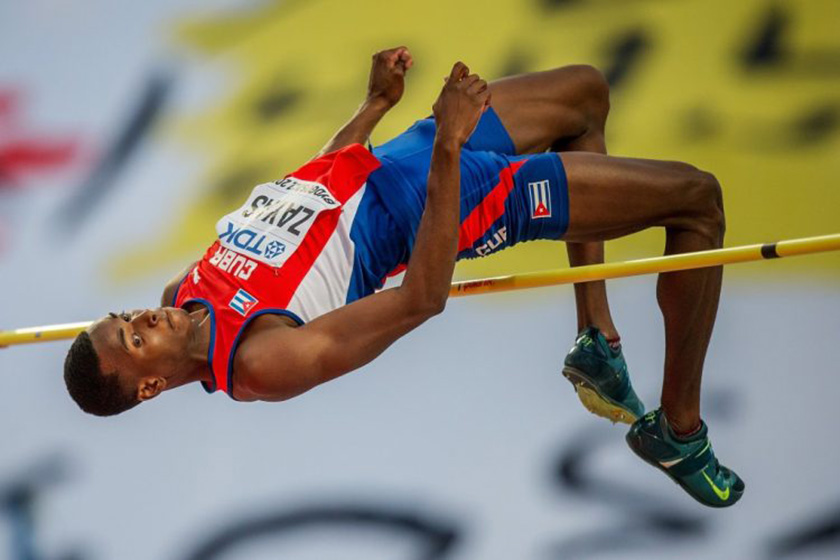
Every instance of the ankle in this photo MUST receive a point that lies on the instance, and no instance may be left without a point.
(605, 327)
(683, 428)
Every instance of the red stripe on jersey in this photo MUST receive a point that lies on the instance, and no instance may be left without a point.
(299, 264)
(488, 210)
(343, 171)
(399, 270)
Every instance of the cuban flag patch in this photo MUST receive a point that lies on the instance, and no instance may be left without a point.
(540, 199)
(243, 302)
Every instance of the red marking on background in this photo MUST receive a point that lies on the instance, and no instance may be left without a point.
(22, 157)
(8, 101)
(541, 210)
(23, 153)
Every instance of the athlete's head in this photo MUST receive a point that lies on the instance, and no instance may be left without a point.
(126, 358)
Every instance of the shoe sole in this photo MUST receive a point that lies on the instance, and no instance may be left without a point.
(677, 481)
(596, 402)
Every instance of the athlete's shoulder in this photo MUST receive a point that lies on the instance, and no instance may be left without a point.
(254, 377)
(170, 291)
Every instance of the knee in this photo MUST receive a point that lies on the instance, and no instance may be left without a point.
(593, 90)
(706, 198)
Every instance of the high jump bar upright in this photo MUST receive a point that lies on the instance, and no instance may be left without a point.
(591, 273)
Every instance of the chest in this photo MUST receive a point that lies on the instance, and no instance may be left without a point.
(271, 225)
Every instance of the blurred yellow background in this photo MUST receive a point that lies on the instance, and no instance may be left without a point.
(749, 90)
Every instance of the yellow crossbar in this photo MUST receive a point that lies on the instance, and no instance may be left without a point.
(670, 263)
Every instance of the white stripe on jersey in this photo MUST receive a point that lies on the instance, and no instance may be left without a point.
(324, 288)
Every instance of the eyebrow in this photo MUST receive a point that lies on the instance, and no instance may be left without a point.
(121, 334)
(122, 339)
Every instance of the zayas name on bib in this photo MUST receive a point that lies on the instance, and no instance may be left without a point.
(273, 222)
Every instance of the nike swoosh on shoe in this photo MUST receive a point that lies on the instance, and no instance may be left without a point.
(722, 494)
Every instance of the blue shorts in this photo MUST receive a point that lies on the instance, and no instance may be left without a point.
(505, 198)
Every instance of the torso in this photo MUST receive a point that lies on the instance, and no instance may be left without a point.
(280, 259)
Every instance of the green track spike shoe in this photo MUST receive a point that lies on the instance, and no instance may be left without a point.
(599, 375)
(691, 464)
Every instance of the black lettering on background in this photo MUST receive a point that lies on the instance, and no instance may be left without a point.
(770, 49)
(435, 537)
(625, 53)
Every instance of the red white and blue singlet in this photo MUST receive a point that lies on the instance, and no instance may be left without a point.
(332, 231)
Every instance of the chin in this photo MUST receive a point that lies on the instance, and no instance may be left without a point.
(179, 317)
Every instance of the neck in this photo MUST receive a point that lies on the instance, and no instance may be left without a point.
(198, 349)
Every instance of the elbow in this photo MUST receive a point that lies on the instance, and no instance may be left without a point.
(436, 306)
(429, 306)
(422, 302)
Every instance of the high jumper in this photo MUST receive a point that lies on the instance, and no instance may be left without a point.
(288, 296)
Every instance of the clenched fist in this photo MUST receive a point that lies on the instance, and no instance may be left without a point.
(387, 75)
(460, 104)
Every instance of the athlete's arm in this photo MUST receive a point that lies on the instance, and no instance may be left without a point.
(280, 362)
(385, 88)
(169, 291)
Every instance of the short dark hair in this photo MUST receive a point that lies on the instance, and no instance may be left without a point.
(93, 390)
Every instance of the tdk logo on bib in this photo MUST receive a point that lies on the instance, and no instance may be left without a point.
(243, 302)
(274, 249)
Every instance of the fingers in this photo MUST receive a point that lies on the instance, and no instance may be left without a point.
(475, 84)
(461, 76)
(402, 61)
(468, 81)
(459, 72)
(397, 56)
(405, 57)
(391, 53)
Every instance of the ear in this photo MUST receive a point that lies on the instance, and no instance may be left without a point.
(150, 387)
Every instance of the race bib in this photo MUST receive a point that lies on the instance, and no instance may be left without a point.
(273, 222)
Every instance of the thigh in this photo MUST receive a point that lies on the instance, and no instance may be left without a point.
(539, 108)
(615, 196)
(509, 199)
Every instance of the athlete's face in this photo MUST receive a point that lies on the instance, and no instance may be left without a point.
(146, 346)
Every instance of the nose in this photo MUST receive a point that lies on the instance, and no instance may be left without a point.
(148, 317)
